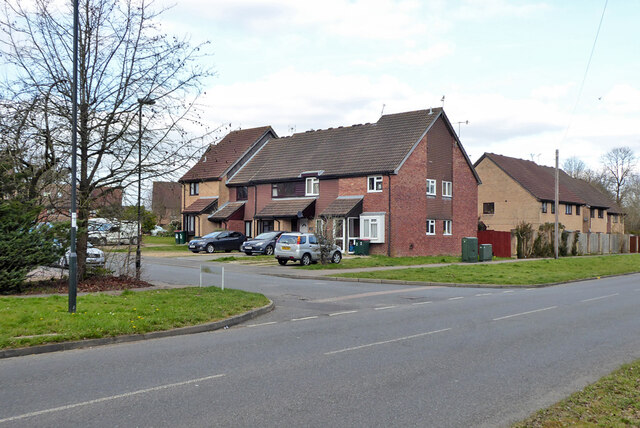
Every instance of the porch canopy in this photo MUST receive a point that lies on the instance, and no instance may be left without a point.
(201, 205)
(229, 211)
(344, 206)
(289, 208)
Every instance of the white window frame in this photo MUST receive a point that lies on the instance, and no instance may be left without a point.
(367, 229)
(431, 227)
(568, 209)
(431, 187)
(310, 183)
(376, 180)
(446, 227)
(194, 189)
(447, 189)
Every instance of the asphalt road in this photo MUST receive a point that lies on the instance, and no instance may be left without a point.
(342, 354)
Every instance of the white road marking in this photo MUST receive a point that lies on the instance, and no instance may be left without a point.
(386, 341)
(529, 289)
(455, 298)
(508, 291)
(264, 323)
(484, 294)
(305, 318)
(373, 293)
(342, 313)
(524, 313)
(598, 298)
(421, 303)
(385, 307)
(112, 397)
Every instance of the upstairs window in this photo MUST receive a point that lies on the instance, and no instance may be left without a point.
(274, 190)
(374, 184)
(242, 193)
(577, 209)
(447, 189)
(568, 209)
(194, 189)
(312, 187)
(488, 208)
(614, 218)
(592, 214)
(600, 213)
(431, 187)
(553, 208)
(544, 207)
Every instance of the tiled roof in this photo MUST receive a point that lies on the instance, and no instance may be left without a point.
(226, 211)
(166, 194)
(540, 182)
(200, 205)
(219, 157)
(379, 147)
(344, 206)
(285, 207)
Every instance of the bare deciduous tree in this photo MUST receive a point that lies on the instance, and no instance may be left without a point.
(574, 167)
(123, 57)
(618, 164)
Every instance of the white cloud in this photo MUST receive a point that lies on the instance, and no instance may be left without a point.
(413, 57)
(552, 92)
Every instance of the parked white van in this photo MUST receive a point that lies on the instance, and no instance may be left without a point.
(104, 231)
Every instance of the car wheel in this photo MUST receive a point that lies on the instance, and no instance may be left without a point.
(227, 251)
(305, 260)
(269, 250)
(336, 257)
(282, 261)
(248, 253)
(210, 248)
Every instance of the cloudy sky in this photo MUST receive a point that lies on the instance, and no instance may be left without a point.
(513, 69)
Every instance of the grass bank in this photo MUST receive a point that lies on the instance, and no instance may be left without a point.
(516, 273)
(613, 401)
(376, 261)
(37, 320)
(153, 244)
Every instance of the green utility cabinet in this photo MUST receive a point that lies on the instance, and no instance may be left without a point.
(486, 252)
(361, 248)
(181, 236)
(470, 249)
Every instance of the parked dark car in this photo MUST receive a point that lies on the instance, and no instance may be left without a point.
(264, 243)
(224, 240)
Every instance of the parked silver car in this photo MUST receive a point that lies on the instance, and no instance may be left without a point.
(302, 247)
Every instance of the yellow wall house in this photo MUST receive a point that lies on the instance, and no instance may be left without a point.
(515, 190)
(203, 186)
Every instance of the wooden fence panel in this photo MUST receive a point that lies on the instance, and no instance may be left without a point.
(500, 241)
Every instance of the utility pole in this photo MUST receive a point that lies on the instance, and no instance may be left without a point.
(73, 256)
(555, 243)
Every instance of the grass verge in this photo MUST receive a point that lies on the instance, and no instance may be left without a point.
(377, 260)
(613, 401)
(517, 273)
(37, 320)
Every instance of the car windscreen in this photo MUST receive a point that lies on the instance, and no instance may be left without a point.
(266, 236)
(212, 235)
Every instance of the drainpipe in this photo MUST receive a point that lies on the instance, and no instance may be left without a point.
(255, 210)
(389, 227)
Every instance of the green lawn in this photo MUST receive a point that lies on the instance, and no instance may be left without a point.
(613, 401)
(102, 315)
(517, 273)
(376, 260)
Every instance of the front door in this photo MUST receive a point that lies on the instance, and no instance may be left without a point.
(304, 225)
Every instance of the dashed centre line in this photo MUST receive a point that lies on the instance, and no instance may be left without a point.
(508, 291)
(385, 307)
(455, 298)
(598, 298)
(524, 313)
(368, 345)
(264, 323)
(421, 303)
(342, 313)
(304, 318)
(483, 294)
(112, 397)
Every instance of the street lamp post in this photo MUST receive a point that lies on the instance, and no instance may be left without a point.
(141, 101)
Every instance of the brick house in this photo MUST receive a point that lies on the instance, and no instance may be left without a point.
(203, 188)
(404, 182)
(515, 190)
(165, 201)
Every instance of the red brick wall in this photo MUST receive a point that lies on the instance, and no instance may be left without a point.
(328, 192)
(409, 200)
(372, 202)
